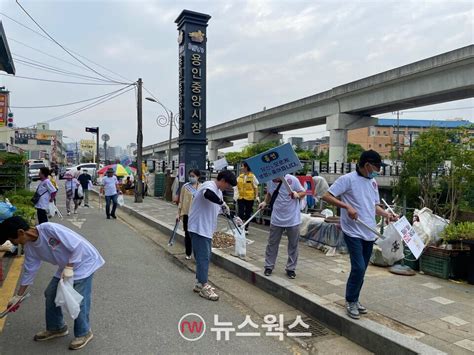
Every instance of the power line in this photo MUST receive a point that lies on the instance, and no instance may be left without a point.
(442, 109)
(70, 103)
(89, 106)
(60, 45)
(51, 69)
(79, 55)
(44, 53)
(59, 81)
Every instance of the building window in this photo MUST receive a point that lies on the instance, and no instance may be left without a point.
(370, 145)
(380, 145)
(384, 133)
(378, 133)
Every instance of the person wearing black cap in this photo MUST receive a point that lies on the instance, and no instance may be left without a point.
(357, 195)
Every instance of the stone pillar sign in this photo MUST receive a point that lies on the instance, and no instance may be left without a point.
(192, 38)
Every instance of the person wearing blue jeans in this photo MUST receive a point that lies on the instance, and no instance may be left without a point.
(202, 254)
(207, 204)
(358, 200)
(77, 260)
(54, 315)
(110, 188)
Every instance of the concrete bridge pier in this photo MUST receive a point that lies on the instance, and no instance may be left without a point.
(214, 146)
(338, 125)
(262, 136)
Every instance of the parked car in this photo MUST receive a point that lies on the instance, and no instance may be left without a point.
(33, 170)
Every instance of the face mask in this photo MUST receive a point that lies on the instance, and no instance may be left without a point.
(373, 174)
(193, 179)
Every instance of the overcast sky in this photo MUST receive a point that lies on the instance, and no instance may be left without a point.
(260, 54)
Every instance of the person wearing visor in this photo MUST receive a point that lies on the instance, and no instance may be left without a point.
(357, 195)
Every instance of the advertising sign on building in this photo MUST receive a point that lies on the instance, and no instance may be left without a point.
(3, 109)
(88, 145)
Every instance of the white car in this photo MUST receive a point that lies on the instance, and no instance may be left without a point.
(33, 170)
(90, 167)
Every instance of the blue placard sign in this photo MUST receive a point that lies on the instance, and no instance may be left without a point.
(275, 162)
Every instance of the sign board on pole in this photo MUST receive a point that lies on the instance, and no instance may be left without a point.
(274, 163)
(181, 172)
(87, 145)
(220, 164)
(409, 236)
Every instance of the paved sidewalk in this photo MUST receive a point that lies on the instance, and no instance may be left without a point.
(437, 312)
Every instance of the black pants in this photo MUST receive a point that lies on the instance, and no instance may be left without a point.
(42, 215)
(187, 238)
(245, 210)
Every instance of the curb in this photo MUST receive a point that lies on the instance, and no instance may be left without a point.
(372, 336)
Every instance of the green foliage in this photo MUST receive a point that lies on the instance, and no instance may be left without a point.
(235, 158)
(459, 231)
(353, 152)
(442, 191)
(21, 199)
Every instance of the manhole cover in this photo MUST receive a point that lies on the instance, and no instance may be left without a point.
(315, 328)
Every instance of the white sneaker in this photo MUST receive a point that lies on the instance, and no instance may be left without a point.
(188, 257)
(68, 213)
(75, 211)
(208, 293)
(197, 287)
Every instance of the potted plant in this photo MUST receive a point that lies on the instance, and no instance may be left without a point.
(458, 237)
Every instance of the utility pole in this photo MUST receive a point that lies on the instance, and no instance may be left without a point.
(77, 155)
(169, 141)
(138, 183)
(398, 135)
(97, 147)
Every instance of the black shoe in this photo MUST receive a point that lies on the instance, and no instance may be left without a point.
(113, 216)
(108, 217)
(291, 274)
(267, 272)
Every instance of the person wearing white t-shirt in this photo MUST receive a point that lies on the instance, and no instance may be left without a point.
(110, 188)
(286, 215)
(47, 193)
(77, 260)
(357, 195)
(207, 204)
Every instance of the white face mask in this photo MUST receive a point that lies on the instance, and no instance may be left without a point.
(193, 179)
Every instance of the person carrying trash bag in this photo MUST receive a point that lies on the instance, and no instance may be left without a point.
(358, 200)
(76, 258)
(207, 204)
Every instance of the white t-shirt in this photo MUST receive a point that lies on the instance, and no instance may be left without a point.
(71, 185)
(45, 189)
(362, 194)
(109, 184)
(60, 246)
(286, 210)
(203, 213)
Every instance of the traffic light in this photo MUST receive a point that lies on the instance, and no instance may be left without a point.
(10, 120)
(92, 129)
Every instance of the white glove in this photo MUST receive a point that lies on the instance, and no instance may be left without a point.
(262, 205)
(14, 300)
(225, 209)
(238, 221)
(68, 272)
(295, 195)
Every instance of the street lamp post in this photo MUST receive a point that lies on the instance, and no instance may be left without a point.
(163, 121)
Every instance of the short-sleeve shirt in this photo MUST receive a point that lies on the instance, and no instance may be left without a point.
(45, 189)
(84, 180)
(203, 213)
(109, 184)
(362, 194)
(286, 210)
(59, 245)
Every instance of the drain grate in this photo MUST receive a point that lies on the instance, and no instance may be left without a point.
(315, 328)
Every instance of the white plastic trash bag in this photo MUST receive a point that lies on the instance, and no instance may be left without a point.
(51, 209)
(68, 298)
(80, 191)
(120, 200)
(391, 245)
(240, 242)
